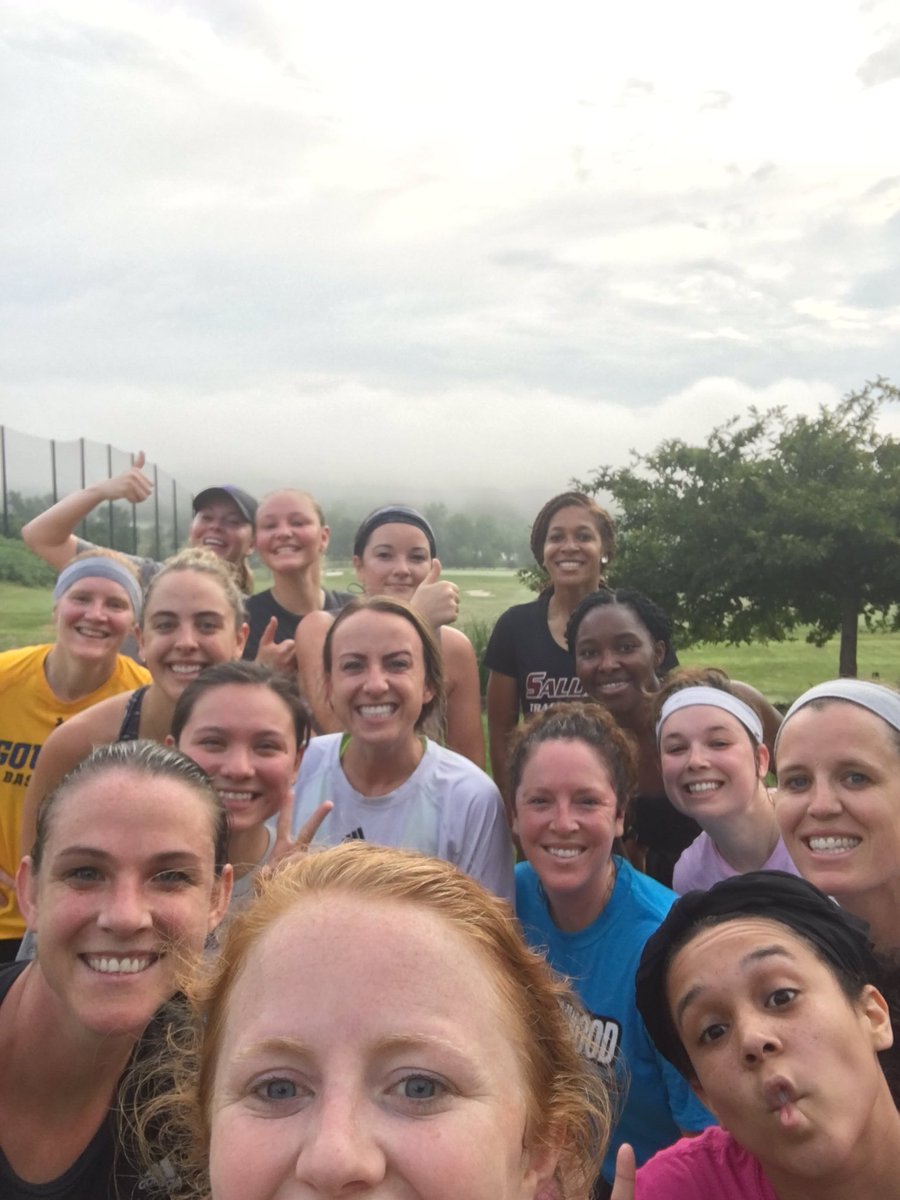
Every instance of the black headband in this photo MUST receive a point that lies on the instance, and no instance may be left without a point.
(392, 514)
(840, 938)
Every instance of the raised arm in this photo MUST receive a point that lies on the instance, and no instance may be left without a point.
(465, 733)
(51, 534)
(64, 749)
(502, 715)
(311, 671)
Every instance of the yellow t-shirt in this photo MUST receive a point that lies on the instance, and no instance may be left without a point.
(29, 711)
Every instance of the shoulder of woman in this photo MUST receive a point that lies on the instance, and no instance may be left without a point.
(315, 624)
(97, 724)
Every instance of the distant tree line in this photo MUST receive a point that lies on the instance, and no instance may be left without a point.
(498, 538)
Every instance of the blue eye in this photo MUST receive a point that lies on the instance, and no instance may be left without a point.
(420, 1087)
(276, 1089)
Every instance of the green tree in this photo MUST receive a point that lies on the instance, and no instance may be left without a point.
(777, 522)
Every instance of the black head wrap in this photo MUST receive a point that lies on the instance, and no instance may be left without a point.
(841, 939)
(392, 514)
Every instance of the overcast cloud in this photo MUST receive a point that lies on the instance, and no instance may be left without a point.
(420, 250)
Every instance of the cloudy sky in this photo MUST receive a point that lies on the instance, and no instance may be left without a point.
(421, 249)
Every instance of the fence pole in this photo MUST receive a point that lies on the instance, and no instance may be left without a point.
(157, 555)
(175, 515)
(109, 503)
(3, 476)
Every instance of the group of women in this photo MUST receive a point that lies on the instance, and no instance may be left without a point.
(703, 1040)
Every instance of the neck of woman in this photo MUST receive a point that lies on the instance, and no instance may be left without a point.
(572, 912)
(70, 678)
(564, 600)
(246, 848)
(54, 1059)
(880, 907)
(156, 714)
(380, 768)
(746, 840)
(300, 592)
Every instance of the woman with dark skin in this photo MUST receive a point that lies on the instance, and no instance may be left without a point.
(573, 540)
(620, 640)
(767, 997)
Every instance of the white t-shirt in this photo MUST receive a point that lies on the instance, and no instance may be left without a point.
(447, 808)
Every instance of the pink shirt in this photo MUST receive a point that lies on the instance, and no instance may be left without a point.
(701, 865)
(711, 1165)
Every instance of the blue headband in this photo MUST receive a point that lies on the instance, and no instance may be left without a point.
(100, 567)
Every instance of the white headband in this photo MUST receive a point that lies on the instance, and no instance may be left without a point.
(881, 701)
(690, 697)
(98, 566)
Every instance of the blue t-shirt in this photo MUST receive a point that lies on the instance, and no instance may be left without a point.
(655, 1102)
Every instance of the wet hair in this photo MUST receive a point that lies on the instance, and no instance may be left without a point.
(141, 757)
(651, 616)
(238, 673)
(431, 651)
(588, 723)
(204, 562)
(289, 491)
(600, 517)
(567, 1106)
(712, 677)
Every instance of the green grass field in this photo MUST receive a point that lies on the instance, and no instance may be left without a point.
(781, 670)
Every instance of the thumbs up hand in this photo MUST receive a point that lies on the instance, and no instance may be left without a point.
(435, 598)
(132, 485)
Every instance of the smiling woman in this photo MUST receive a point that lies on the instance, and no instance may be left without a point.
(329, 1063)
(248, 729)
(571, 771)
(127, 878)
(193, 616)
(97, 601)
(573, 540)
(838, 799)
(291, 538)
(389, 783)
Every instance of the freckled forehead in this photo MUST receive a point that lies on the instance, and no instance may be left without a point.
(98, 808)
(389, 948)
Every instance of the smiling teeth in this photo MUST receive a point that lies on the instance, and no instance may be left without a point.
(119, 966)
(376, 710)
(186, 668)
(237, 797)
(831, 845)
(708, 785)
(91, 633)
(564, 851)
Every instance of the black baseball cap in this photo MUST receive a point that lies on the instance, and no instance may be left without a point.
(246, 505)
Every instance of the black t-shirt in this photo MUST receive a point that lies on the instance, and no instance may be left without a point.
(262, 607)
(522, 647)
(104, 1170)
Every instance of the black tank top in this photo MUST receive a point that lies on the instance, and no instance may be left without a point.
(128, 730)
